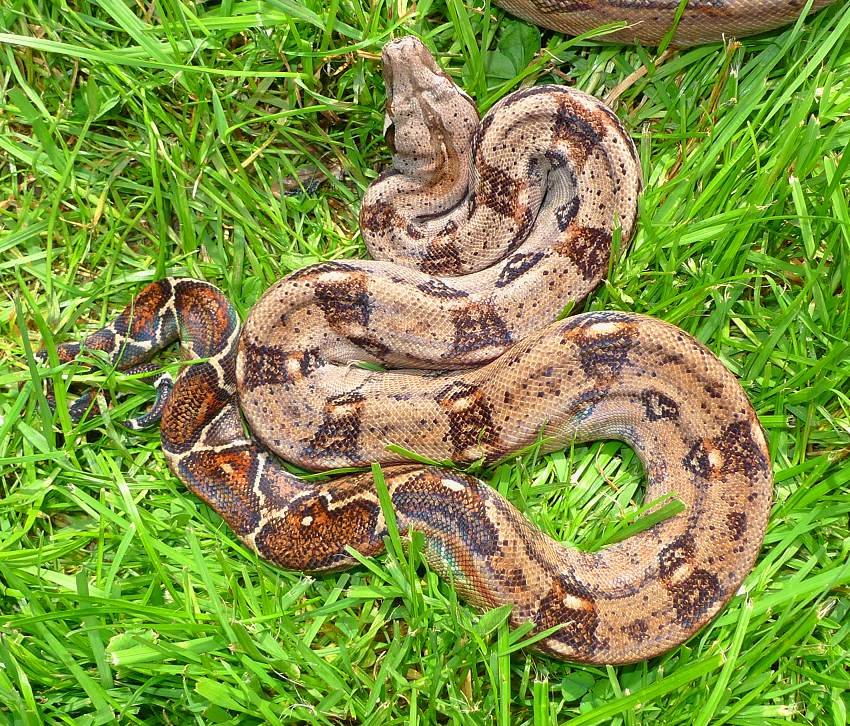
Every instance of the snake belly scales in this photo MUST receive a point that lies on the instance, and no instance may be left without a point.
(481, 232)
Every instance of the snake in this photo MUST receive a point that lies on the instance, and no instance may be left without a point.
(650, 21)
(450, 343)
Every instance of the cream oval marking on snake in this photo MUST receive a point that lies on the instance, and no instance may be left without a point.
(512, 218)
(703, 21)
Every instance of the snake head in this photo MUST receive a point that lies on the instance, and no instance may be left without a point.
(423, 104)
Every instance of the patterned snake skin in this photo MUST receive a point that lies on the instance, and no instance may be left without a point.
(703, 21)
(485, 232)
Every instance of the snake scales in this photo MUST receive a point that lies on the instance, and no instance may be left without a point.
(649, 21)
(485, 231)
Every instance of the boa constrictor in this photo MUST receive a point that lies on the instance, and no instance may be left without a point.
(703, 21)
(484, 231)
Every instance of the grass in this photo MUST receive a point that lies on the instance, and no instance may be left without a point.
(145, 138)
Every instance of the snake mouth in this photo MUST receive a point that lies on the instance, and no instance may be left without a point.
(407, 58)
(410, 71)
(408, 67)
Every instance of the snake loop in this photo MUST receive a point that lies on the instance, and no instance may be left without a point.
(650, 21)
(487, 230)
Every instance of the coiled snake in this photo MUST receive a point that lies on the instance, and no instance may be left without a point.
(485, 231)
(649, 21)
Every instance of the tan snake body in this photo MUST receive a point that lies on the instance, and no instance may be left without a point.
(486, 230)
(649, 21)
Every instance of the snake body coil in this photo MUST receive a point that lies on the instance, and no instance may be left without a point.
(649, 21)
(487, 230)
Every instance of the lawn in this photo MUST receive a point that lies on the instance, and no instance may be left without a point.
(140, 139)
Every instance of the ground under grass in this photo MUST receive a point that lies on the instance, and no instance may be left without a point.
(139, 139)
